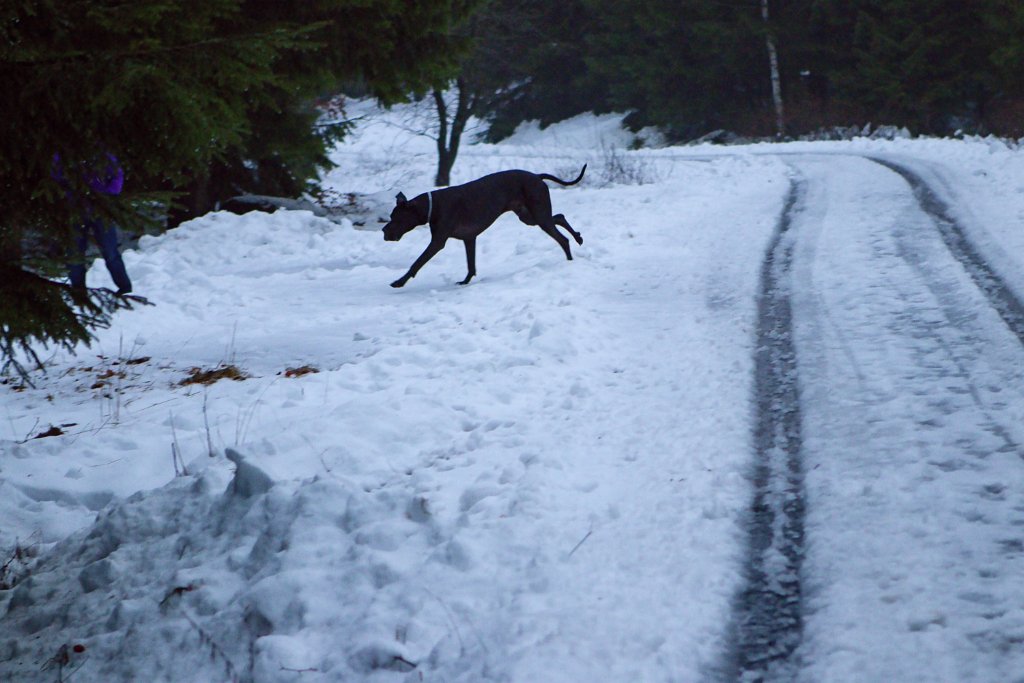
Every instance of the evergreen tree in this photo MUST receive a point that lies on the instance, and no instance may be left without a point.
(169, 88)
(555, 82)
(686, 66)
(922, 63)
(1004, 22)
(391, 47)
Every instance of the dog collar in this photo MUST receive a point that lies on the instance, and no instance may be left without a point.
(430, 205)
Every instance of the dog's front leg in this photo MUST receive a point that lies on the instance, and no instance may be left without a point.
(470, 259)
(435, 246)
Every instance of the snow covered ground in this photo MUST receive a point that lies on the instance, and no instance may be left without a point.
(545, 475)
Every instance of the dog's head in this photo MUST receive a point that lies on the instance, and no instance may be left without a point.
(404, 217)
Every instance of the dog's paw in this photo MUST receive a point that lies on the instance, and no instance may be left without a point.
(579, 238)
(398, 283)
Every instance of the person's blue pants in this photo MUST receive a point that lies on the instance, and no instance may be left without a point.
(106, 239)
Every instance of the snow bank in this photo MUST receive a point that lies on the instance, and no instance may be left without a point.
(247, 582)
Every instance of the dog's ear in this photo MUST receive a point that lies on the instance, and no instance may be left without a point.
(400, 199)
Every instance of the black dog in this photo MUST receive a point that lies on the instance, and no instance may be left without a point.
(465, 211)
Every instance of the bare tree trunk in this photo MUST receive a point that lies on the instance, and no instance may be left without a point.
(773, 59)
(449, 133)
(444, 166)
(195, 202)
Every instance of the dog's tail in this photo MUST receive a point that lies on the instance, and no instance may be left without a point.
(545, 176)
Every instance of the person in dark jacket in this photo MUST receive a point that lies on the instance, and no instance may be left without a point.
(109, 180)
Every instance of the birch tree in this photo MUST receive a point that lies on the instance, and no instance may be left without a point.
(773, 63)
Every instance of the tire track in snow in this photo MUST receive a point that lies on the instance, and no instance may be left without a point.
(1002, 298)
(768, 621)
(991, 286)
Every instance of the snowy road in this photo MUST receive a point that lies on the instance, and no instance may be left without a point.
(911, 398)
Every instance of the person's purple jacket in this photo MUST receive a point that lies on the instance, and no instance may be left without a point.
(111, 180)
(108, 181)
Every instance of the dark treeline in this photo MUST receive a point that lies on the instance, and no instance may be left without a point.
(691, 66)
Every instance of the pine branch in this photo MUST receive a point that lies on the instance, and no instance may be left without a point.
(280, 38)
(37, 311)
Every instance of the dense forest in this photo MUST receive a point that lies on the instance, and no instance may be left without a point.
(690, 66)
(202, 100)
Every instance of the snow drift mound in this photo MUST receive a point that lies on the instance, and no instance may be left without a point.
(262, 582)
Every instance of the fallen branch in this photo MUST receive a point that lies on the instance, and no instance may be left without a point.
(577, 546)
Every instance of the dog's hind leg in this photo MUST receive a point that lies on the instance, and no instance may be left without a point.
(470, 259)
(551, 230)
(536, 210)
(523, 214)
(559, 219)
